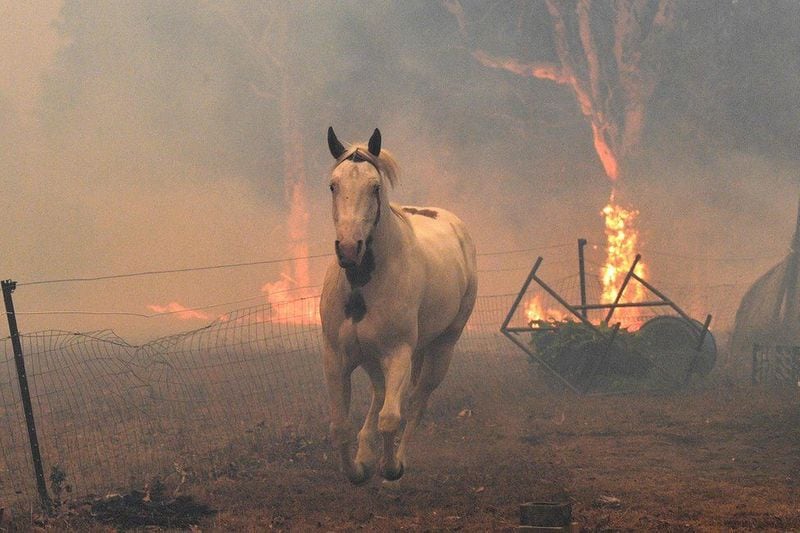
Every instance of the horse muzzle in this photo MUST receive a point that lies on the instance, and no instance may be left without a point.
(349, 253)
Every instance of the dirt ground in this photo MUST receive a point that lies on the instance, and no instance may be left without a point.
(716, 457)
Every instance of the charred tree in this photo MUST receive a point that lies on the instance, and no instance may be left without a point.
(605, 54)
(266, 36)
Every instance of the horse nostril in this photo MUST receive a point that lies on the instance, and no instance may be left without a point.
(358, 247)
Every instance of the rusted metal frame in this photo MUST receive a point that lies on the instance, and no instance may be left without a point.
(521, 294)
(582, 274)
(533, 277)
(512, 336)
(698, 349)
(511, 333)
(622, 288)
(669, 302)
(531, 328)
(563, 302)
(623, 304)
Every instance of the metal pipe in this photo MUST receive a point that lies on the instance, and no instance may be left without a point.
(698, 349)
(669, 302)
(582, 272)
(522, 292)
(623, 304)
(541, 361)
(563, 302)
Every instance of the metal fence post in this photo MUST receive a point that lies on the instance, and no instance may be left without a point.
(582, 273)
(44, 497)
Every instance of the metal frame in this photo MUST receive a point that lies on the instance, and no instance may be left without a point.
(580, 312)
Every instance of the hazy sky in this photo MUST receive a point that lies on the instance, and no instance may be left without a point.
(27, 48)
(136, 136)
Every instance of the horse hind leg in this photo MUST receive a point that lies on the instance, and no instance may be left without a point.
(435, 363)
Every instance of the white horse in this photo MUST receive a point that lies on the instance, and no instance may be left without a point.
(394, 302)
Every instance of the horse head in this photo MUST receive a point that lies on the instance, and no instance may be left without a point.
(357, 189)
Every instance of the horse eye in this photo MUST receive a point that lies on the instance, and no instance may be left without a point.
(331, 187)
(376, 189)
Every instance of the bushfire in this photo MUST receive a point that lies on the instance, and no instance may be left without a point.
(622, 243)
(536, 311)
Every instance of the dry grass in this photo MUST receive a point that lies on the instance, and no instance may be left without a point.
(713, 459)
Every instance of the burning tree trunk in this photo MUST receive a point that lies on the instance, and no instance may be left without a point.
(267, 38)
(600, 49)
(293, 162)
(609, 78)
(294, 184)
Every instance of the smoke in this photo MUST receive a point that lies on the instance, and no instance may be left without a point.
(145, 136)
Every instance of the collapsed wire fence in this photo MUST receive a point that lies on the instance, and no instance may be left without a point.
(111, 415)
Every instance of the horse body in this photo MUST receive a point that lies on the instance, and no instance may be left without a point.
(395, 303)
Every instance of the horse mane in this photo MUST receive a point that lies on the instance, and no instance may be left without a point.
(385, 163)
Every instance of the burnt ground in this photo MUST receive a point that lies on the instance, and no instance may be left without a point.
(718, 457)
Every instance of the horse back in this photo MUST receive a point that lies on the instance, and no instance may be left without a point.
(447, 249)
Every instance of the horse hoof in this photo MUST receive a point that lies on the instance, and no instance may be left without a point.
(390, 474)
(362, 474)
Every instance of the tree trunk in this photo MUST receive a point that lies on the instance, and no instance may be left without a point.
(293, 167)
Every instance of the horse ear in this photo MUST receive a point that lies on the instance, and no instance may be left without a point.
(375, 143)
(334, 145)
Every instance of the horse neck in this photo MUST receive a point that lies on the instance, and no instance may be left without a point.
(389, 234)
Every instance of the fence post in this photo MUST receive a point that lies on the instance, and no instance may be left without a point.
(582, 272)
(44, 497)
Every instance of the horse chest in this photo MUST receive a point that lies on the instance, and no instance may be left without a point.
(369, 325)
(360, 340)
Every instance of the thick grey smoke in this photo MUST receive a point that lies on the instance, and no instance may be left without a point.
(148, 135)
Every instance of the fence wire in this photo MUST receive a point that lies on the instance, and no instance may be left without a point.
(110, 415)
(775, 364)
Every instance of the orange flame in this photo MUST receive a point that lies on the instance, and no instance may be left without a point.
(536, 311)
(287, 305)
(287, 295)
(622, 240)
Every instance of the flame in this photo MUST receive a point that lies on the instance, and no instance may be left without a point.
(622, 241)
(535, 311)
(179, 310)
(607, 156)
(297, 225)
(288, 302)
(287, 296)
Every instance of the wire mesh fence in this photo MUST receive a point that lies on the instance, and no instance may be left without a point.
(776, 365)
(111, 415)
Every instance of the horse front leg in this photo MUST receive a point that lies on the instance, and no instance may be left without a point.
(337, 377)
(367, 455)
(396, 367)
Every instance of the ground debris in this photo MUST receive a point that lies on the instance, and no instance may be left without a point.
(609, 502)
(136, 509)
